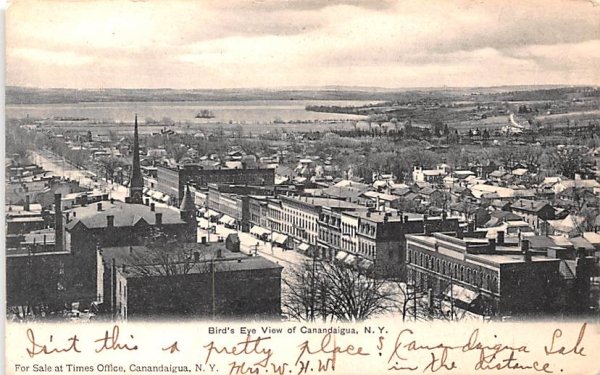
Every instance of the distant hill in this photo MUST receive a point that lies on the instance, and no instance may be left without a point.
(25, 95)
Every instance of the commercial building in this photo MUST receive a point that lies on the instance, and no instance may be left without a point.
(487, 277)
(376, 240)
(173, 181)
(298, 218)
(209, 281)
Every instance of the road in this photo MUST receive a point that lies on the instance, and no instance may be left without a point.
(248, 243)
(61, 167)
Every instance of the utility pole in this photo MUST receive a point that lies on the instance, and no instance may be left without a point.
(214, 306)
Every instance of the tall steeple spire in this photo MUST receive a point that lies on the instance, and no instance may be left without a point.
(136, 182)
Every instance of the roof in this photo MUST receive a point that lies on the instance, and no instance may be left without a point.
(142, 257)
(379, 216)
(480, 189)
(529, 205)
(592, 237)
(382, 196)
(188, 205)
(497, 174)
(568, 269)
(125, 214)
(323, 202)
(581, 242)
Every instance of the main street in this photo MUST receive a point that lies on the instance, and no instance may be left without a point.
(248, 243)
(61, 167)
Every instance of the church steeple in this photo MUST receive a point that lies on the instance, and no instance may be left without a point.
(136, 182)
(187, 210)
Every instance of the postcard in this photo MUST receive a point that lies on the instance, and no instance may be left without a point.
(302, 187)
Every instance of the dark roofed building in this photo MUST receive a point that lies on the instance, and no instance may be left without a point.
(210, 282)
(115, 223)
(535, 213)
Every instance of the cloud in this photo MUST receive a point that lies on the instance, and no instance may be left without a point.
(192, 44)
(39, 56)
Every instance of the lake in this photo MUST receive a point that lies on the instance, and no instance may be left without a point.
(243, 112)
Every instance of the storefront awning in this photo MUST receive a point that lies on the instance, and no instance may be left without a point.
(304, 247)
(340, 256)
(459, 293)
(226, 219)
(259, 231)
(279, 238)
(157, 195)
(211, 213)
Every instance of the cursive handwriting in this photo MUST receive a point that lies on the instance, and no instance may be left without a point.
(111, 341)
(328, 345)
(562, 350)
(247, 346)
(510, 363)
(38, 348)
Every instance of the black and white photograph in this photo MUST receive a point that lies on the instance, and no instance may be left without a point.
(302, 162)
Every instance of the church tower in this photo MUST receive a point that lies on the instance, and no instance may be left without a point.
(187, 210)
(136, 182)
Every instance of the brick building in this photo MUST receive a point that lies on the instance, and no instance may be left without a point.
(210, 282)
(493, 279)
(114, 223)
(377, 239)
(173, 181)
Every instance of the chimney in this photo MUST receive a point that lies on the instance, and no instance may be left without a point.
(84, 200)
(500, 237)
(99, 206)
(110, 221)
(130, 249)
(112, 200)
(459, 233)
(525, 250)
(197, 255)
(368, 213)
(492, 244)
(406, 218)
(152, 206)
(158, 216)
(147, 201)
(124, 267)
(58, 223)
(67, 213)
(26, 208)
(74, 213)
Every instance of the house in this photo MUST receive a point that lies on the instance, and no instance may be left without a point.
(535, 213)
(432, 176)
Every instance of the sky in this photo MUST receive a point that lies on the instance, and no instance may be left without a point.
(200, 44)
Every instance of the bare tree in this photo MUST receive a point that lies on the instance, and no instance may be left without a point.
(319, 290)
(168, 260)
